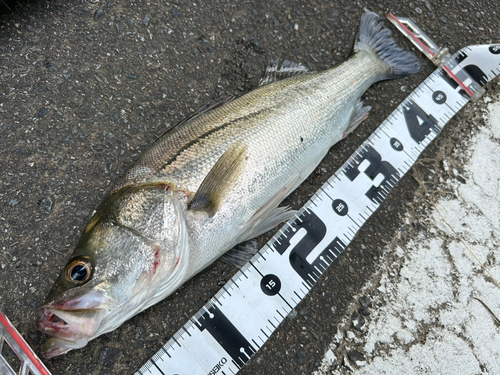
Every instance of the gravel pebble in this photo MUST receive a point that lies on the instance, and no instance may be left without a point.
(98, 14)
(365, 302)
(176, 13)
(302, 356)
(357, 358)
(358, 321)
(45, 205)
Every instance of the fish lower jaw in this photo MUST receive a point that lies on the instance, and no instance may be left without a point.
(56, 346)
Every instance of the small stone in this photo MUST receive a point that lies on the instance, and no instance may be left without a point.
(255, 42)
(98, 147)
(45, 205)
(364, 312)
(176, 13)
(138, 333)
(22, 151)
(108, 356)
(357, 358)
(13, 202)
(41, 113)
(358, 321)
(98, 14)
(83, 213)
(302, 356)
(145, 21)
(365, 302)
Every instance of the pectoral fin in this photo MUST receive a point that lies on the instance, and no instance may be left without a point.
(219, 181)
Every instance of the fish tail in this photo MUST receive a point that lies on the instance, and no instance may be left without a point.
(374, 38)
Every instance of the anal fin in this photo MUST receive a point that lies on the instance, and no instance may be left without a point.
(219, 181)
(359, 115)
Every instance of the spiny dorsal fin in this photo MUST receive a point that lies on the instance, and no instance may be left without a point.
(277, 71)
(212, 191)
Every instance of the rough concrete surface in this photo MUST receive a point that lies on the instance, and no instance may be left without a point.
(87, 86)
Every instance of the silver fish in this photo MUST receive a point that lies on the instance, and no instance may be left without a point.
(207, 185)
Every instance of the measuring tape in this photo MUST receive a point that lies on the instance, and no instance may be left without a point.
(238, 320)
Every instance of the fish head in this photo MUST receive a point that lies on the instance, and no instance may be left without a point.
(112, 275)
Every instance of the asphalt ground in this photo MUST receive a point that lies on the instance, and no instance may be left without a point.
(86, 87)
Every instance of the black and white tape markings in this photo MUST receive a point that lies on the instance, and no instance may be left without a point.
(238, 320)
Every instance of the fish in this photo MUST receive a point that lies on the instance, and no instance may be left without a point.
(210, 183)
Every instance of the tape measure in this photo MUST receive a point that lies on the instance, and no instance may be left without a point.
(241, 317)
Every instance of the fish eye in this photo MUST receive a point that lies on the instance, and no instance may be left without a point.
(79, 270)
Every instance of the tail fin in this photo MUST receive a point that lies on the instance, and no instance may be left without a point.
(374, 39)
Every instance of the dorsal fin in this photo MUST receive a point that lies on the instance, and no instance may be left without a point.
(218, 182)
(277, 71)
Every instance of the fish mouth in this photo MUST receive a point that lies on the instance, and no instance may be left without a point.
(71, 329)
(72, 324)
(51, 322)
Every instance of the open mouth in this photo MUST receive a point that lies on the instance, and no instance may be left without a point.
(71, 329)
(70, 324)
(51, 323)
